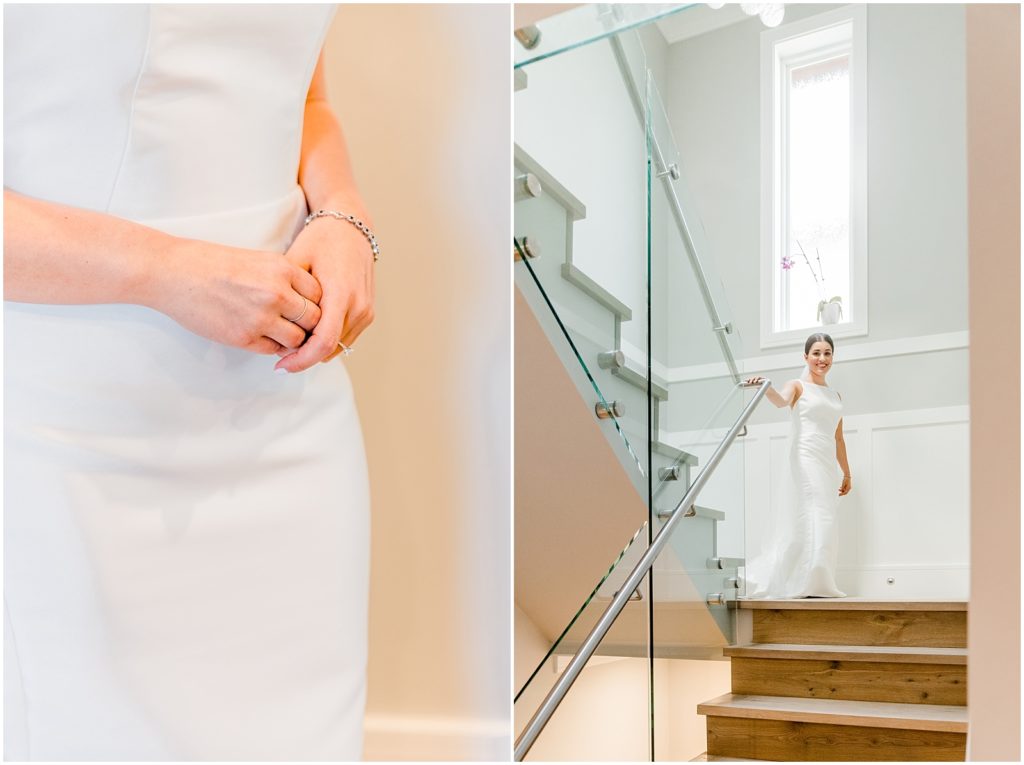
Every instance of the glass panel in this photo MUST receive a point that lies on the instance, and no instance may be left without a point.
(627, 644)
(590, 610)
(714, 530)
(577, 127)
(589, 23)
(694, 352)
(605, 716)
(581, 239)
(616, 268)
(702, 400)
(688, 282)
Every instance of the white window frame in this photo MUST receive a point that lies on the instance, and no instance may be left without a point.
(781, 47)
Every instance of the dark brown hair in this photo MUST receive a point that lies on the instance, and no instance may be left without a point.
(818, 337)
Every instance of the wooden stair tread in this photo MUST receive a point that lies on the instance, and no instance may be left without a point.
(851, 604)
(705, 757)
(875, 714)
(900, 654)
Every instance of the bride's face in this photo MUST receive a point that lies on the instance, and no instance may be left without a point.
(819, 360)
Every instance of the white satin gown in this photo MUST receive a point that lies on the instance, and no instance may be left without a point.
(186, 532)
(798, 559)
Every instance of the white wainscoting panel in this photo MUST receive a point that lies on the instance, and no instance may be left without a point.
(906, 519)
(916, 492)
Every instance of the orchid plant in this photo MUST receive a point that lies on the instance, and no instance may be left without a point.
(819, 278)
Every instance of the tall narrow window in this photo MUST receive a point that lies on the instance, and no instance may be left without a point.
(814, 260)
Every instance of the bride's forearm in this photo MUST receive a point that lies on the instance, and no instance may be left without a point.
(325, 171)
(841, 456)
(776, 398)
(58, 254)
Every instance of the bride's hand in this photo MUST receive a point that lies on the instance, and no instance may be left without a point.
(339, 256)
(754, 381)
(847, 484)
(248, 299)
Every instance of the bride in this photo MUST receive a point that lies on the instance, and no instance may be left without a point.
(799, 558)
(186, 516)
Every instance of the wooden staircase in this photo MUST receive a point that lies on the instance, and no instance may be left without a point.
(845, 680)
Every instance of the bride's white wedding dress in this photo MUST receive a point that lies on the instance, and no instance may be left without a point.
(186, 532)
(798, 558)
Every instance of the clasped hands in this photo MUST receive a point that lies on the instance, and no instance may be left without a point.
(242, 298)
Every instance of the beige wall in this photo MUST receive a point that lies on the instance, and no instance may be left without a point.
(605, 714)
(603, 718)
(423, 93)
(529, 647)
(993, 136)
(531, 13)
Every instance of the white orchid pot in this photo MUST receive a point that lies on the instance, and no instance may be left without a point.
(830, 311)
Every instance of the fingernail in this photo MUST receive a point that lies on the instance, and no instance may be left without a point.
(280, 371)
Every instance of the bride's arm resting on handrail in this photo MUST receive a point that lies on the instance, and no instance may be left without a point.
(786, 397)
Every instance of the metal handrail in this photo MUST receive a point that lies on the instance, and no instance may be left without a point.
(561, 687)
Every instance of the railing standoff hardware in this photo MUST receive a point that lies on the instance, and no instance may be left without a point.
(611, 359)
(608, 411)
(672, 170)
(528, 36)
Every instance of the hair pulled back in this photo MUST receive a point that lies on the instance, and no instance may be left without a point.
(818, 337)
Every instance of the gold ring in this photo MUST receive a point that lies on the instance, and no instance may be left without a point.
(305, 305)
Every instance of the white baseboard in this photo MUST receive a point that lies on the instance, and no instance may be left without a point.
(392, 738)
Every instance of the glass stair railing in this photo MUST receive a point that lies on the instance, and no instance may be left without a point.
(583, 323)
(693, 329)
(529, 696)
(585, 25)
(616, 280)
(680, 590)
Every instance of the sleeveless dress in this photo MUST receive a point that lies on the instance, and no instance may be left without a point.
(186, 532)
(799, 558)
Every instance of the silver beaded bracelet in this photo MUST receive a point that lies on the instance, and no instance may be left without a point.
(351, 219)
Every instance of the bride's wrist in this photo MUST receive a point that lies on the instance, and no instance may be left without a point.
(163, 280)
(347, 203)
(155, 264)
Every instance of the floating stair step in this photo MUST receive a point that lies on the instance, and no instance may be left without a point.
(859, 673)
(805, 730)
(872, 653)
(576, 277)
(639, 380)
(846, 621)
(779, 740)
(524, 163)
(674, 454)
(871, 714)
(705, 757)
